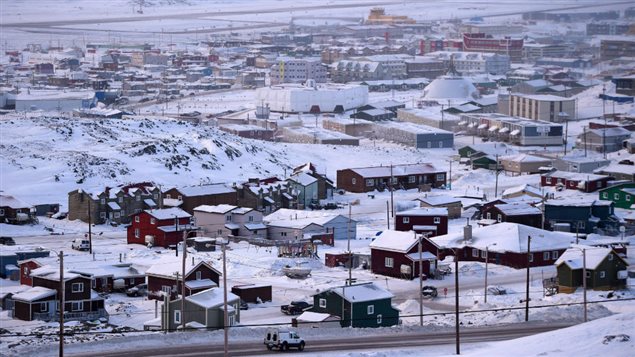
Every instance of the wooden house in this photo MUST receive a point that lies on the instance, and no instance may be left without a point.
(410, 176)
(523, 164)
(188, 198)
(622, 195)
(340, 225)
(14, 210)
(503, 244)
(430, 221)
(522, 190)
(574, 181)
(396, 254)
(161, 227)
(203, 310)
(605, 269)
(253, 293)
(582, 216)
(228, 220)
(519, 212)
(359, 305)
(164, 279)
(115, 277)
(452, 204)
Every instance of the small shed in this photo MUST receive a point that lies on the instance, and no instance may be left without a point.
(202, 244)
(253, 293)
(316, 320)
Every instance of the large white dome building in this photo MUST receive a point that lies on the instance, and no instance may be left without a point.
(450, 87)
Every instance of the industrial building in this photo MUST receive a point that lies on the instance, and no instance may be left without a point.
(312, 98)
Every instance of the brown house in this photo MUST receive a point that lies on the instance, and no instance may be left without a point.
(14, 211)
(521, 213)
(379, 178)
(575, 181)
(115, 277)
(396, 254)
(188, 198)
(266, 195)
(453, 204)
(429, 221)
(165, 279)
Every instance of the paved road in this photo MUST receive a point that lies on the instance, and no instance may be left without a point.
(472, 335)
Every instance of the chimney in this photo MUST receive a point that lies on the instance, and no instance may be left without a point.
(467, 231)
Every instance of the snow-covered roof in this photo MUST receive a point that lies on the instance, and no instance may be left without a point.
(117, 271)
(220, 209)
(168, 213)
(574, 259)
(439, 200)
(424, 256)
(309, 316)
(200, 284)
(287, 214)
(578, 202)
(395, 241)
(55, 95)
(35, 293)
(397, 170)
(525, 158)
(618, 168)
(303, 179)
(610, 132)
(362, 292)
(575, 176)
(517, 209)
(255, 226)
(211, 298)
(203, 190)
(12, 202)
(521, 189)
(509, 237)
(450, 87)
(171, 268)
(422, 211)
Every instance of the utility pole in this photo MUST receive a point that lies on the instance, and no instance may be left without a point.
(456, 300)
(225, 317)
(584, 281)
(584, 129)
(450, 176)
(527, 286)
(387, 215)
(183, 281)
(486, 263)
(61, 351)
(420, 281)
(496, 184)
(350, 255)
(90, 223)
(392, 205)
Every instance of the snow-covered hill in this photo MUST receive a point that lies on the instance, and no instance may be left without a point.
(43, 158)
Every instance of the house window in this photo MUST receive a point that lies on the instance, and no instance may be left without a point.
(394, 180)
(489, 215)
(483, 254)
(198, 275)
(93, 283)
(180, 198)
(499, 218)
(103, 201)
(250, 218)
(531, 257)
(379, 319)
(605, 195)
(581, 225)
(602, 274)
(370, 182)
(138, 198)
(77, 287)
(166, 289)
(137, 234)
(102, 215)
(168, 196)
(117, 214)
(219, 232)
(616, 196)
(406, 220)
(323, 303)
(44, 307)
(77, 306)
(156, 196)
(628, 197)
(474, 253)
(610, 256)
(136, 219)
(437, 220)
(588, 274)
(283, 234)
(370, 309)
(153, 221)
(120, 199)
(1, 211)
(177, 316)
(440, 177)
(228, 218)
(412, 179)
(354, 181)
(389, 262)
(554, 255)
(546, 255)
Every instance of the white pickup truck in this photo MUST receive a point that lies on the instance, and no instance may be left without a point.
(283, 339)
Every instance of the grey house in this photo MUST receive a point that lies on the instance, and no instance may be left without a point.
(414, 135)
(203, 310)
(331, 222)
(305, 187)
(603, 140)
(575, 162)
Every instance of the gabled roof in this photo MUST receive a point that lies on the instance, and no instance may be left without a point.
(169, 270)
(204, 190)
(395, 241)
(524, 188)
(439, 200)
(517, 209)
(397, 170)
(220, 209)
(303, 179)
(12, 202)
(35, 293)
(211, 298)
(594, 257)
(168, 213)
(423, 211)
(362, 292)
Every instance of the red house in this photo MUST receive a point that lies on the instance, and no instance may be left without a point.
(163, 279)
(160, 227)
(431, 221)
(396, 254)
(575, 181)
(26, 267)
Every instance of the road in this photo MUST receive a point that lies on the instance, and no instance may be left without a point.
(471, 335)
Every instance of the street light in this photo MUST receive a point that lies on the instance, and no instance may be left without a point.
(486, 263)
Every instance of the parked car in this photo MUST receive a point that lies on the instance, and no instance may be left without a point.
(81, 244)
(283, 339)
(429, 291)
(295, 307)
(496, 290)
(139, 290)
(7, 241)
(243, 305)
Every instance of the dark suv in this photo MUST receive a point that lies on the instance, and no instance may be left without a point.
(295, 307)
(7, 241)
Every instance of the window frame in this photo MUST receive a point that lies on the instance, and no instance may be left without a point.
(44, 307)
(370, 309)
(475, 253)
(322, 303)
(79, 289)
(177, 316)
(437, 220)
(389, 262)
(546, 255)
(405, 220)
(79, 304)
(379, 319)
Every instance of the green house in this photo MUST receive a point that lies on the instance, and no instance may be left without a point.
(467, 151)
(623, 195)
(605, 269)
(359, 305)
(483, 162)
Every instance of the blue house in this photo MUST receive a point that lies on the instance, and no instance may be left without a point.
(581, 216)
(9, 259)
